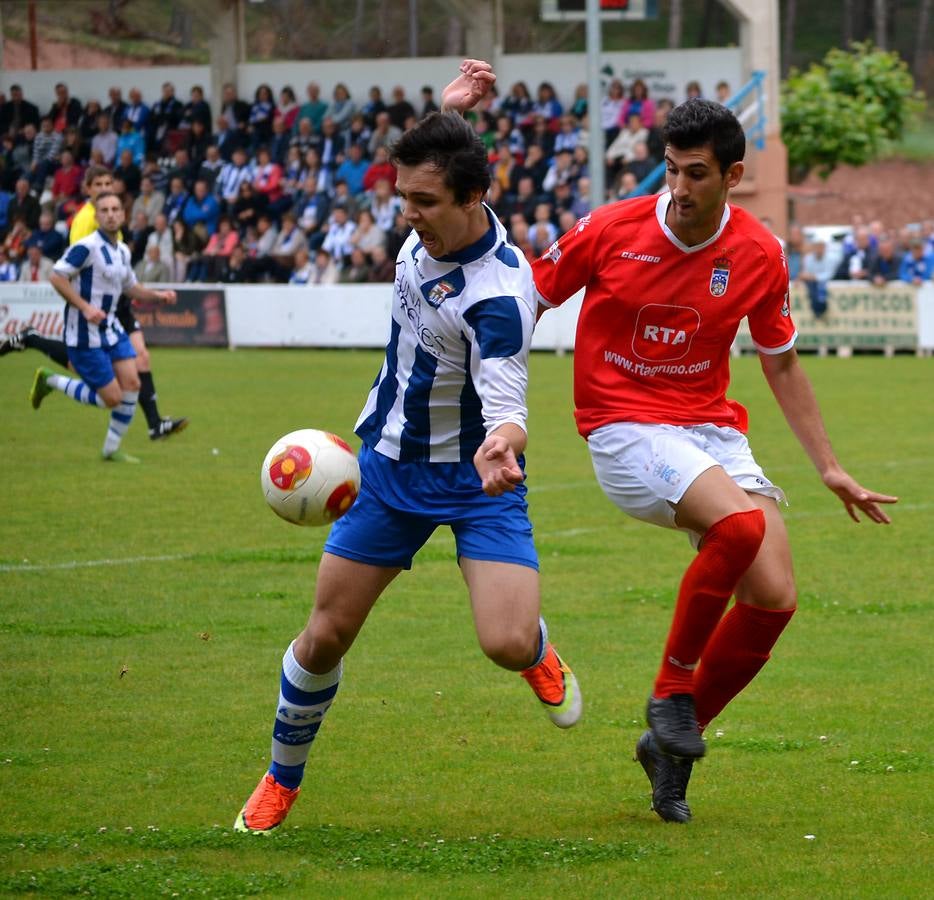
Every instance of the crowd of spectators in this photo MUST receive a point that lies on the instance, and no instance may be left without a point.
(274, 189)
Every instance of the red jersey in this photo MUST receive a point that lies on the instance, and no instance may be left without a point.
(659, 317)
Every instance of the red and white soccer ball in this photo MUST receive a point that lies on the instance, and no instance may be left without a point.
(310, 477)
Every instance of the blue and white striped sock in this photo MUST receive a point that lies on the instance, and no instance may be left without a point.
(76, 389)
(304, 698)
(120, 417)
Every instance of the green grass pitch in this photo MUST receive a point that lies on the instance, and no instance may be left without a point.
(144, 611)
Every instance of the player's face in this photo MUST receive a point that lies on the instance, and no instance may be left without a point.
(698, 191)
(110, 214)
(100, 185)
(443, 225)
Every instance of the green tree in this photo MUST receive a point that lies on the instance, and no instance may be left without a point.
(846, 110)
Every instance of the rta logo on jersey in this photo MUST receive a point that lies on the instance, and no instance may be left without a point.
(664, 333)
(720, 277)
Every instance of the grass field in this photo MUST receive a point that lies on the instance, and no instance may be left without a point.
(144, 612)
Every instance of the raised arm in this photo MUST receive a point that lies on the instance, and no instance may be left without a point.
(469, 88)
(795, 395)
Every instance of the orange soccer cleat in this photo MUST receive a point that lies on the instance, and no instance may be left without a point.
(267, 807)
(556, 687)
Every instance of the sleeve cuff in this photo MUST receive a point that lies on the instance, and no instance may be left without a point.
(774, 351)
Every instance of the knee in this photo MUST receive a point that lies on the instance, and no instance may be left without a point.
(132, 384)
(321, 645)
(776, 593)
(514, 650)
(740, 534)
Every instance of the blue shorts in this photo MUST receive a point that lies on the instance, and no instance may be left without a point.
(402, 503)
(95, 364)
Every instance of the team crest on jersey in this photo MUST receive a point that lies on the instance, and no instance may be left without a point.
(583, 222)
(439, 293)
(720, 277)
(553, 253)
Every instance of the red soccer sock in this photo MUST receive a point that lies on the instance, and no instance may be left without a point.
(737, 650)
(727, 550)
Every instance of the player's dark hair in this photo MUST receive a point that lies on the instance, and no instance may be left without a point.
(104, 195)
(449, 144)
(698, 123)
(92, 172)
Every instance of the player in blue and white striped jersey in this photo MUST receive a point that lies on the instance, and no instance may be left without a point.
(443, 432)
(99, 349)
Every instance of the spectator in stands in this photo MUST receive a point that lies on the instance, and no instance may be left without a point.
(9, 270)
(397, 235)
(232, 175)
(525, 199)
(518, 103)
(16, 239)
(428, 101)
(382, 268)
(218, 250)
(373, 106)
(182, 167)
(543, 232)
(88, 122)
(817, 269)
(340, 229)
(23, 204)
(886, 263)
(304, 137)
(35, 267)
(624, 186)
(293, 172)
(137, 112)
(197, 141)
(385, 134)
(137, 236)
(622, 150)
(314, 169)
(287, 243)
(723, 92)
(45, 152)
(510, 136)
(161, 237)
(66, 186)
(21, 155)
(569, 134)
(149, 202)
(535, 165)
(210, 167)
(165, 116)
(400, 110)
(247, 207)
(794, 251)
(324, 268)
(50, 241)
(186, 247)
(367, 234)
(130, 140)
(340, 110)
(116, 109)
(303, 270)
(234, 270)
(66, 110)
(71, 141)
(611, 110)
(547, 104)
(917, 264)
(384, 204)
(692, 91)
(357, 269)
(353, 170)
(197, 109)
(17, 112)
(641, 165)
(105, 141)
(151, 269)
(267, 181)
(359, 132)
(539, 134)
(656, 138)
(638, 103)
(287, 110)
(313, 109)
(175, 199)
(201, 211)
(331, 147)
(261, 113)
(381, 169)
(561, 171)
(858, 264)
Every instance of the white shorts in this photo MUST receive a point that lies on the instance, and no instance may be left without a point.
(645, 469)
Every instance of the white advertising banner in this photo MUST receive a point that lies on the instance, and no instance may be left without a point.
(31, 306)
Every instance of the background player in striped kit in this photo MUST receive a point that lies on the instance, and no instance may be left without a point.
(99, 349)
(98, 180)
(443, 431)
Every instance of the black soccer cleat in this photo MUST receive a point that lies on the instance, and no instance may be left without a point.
(669, 778)
(167, 427)
(674, 725)
(15, 343)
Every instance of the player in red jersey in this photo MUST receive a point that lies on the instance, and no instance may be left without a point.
(667, 281)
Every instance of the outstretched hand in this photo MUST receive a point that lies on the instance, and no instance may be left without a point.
(469, 88)
(496, 464)
(855, 496)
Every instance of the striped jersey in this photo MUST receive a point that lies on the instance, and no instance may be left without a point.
(103, 271)
(456, 364)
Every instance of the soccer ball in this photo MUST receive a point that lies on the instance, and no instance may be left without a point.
(310, 477)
